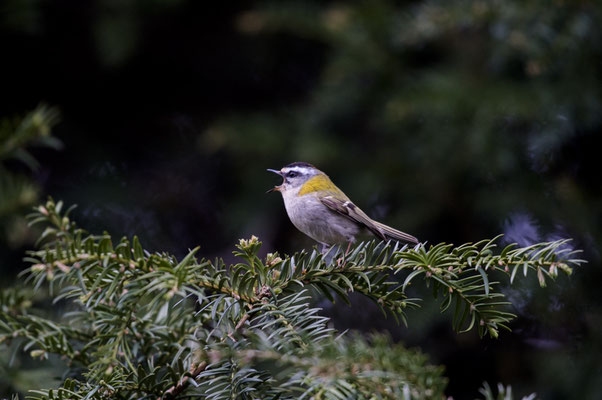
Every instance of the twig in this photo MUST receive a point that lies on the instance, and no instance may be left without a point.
(239, 325)
(176, 389)
(241, 322)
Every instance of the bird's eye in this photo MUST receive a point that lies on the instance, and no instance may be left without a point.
(291, 174)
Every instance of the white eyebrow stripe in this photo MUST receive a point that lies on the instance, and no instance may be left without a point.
(301, 170)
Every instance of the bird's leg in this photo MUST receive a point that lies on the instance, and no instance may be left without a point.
(342, 260)
(348, 248)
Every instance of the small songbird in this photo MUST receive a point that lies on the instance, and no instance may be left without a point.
(323, 212)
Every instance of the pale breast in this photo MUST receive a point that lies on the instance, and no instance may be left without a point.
(317, 221)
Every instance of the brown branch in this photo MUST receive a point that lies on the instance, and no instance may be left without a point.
(178, 388)
(241, 322)
(63, 265)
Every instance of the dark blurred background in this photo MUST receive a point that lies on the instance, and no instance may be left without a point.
(451, 120)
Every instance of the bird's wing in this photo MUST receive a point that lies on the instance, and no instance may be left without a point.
(347, 209)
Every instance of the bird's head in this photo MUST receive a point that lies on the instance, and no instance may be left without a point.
(295, 175)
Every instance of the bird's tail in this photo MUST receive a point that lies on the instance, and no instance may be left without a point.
(391, 233)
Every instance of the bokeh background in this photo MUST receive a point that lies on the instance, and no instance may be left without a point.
(451, 120)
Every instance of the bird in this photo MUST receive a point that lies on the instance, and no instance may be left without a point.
(319, 209)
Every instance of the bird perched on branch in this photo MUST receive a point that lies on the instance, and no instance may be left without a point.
(323, 212)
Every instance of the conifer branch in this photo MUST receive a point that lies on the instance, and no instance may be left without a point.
(175, 390)
(152, 325)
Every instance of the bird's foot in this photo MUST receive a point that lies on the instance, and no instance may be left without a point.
(342, 261)
(348, 248)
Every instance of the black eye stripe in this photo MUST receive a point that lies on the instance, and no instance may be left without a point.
(292, 174)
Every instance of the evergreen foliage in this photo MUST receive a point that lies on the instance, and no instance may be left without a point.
(504, 393)
(147, 325)
(18, 191)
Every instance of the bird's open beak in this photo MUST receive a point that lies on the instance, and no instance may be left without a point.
(275, 188)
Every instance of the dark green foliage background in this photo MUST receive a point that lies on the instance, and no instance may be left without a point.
(451, 120)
